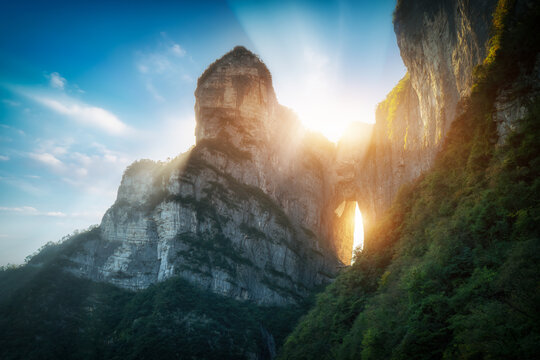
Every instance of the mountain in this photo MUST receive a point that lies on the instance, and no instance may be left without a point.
(241, 214)
(218, 252)
(451, 269)
(239, 231)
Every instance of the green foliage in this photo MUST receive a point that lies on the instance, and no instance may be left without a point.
(50, 314)
(224, 147)
(242, 192)
(454, 269)
(214, 251)
(387, 108)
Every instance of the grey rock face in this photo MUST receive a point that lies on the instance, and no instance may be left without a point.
(440, 42)
(511, 104)
(246, 213)
(260, 209)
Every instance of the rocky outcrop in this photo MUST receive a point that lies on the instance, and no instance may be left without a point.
(248, 212)
(260, 209)
(441, 42)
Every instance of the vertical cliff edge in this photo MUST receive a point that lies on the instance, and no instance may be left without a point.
(441, 43)
(247, 212)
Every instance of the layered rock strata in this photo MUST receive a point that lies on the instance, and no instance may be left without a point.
(247, 213)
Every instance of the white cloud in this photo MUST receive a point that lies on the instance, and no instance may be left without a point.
(57, 81)
(178, 50)
(94, 170)
(54, 213)
(47, 159)
(81, 172)
(86, 114)
(25, 209)
(4, 158)
(29, 210)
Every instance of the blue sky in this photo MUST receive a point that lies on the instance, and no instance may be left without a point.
(87, 87)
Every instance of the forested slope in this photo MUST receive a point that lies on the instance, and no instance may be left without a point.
(454, 269)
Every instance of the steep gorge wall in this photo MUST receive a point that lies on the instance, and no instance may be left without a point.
(440, 42)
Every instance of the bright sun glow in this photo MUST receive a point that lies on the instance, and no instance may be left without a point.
(332, 118)
(358, 229)
(322, 103)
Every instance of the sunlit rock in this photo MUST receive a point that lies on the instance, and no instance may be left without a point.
(247, 213)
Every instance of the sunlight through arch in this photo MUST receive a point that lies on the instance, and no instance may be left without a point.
(358, 231)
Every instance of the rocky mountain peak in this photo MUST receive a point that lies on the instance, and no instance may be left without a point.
(240, 214)
(238, 85)
(239, 57)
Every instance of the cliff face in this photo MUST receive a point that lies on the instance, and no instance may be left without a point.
(441, 42)
(247, 213)
(260, 209)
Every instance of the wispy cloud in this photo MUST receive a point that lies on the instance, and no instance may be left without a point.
(178, 50)
(23, 185)
(94, 169)
(4, 158)
(77, 110)
(11, 102)
(29, 210)
(32, 211)
(47, 159)
(157, 63)
(85, 114)
(18, 131)
(152, 90)
(162, 65)
(57, 81)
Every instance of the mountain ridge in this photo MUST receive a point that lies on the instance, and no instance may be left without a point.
(216, 253)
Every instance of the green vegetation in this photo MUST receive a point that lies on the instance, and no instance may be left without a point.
(224, 147)
(46, 313)
(241, 191)
(214, 251)
(454, 269)
(49, 314)
(387, 108)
